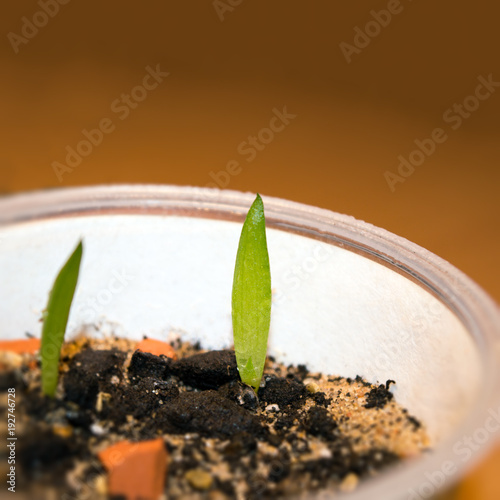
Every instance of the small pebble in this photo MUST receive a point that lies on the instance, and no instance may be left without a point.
(247, 398)
(98, 430)
(199, 479)
(101, 397)
(65, 431)
(349, 483)
(101, 484)
(217, 495)
(312, 387)
(10, 359)
(273, 407)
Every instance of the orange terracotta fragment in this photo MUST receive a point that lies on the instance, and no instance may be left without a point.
(20, 346)
(136, 470)
(157, 347)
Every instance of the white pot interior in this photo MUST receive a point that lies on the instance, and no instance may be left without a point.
(336, 308)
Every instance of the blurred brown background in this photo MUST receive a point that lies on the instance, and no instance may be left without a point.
(363, 80)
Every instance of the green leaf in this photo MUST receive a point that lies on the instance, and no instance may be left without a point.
(56, 319)
(251, 299)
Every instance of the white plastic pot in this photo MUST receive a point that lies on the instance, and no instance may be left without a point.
(349, 299)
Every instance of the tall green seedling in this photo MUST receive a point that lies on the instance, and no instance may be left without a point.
(55, 320)
(251, 297)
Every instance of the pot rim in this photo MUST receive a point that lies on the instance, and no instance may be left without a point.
(475, 309)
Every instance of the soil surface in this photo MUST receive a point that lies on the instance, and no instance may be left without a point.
(304, 432)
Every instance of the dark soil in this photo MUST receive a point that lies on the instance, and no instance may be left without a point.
(379, 396)
(293, 437)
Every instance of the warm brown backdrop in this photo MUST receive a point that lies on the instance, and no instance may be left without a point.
(352, 120)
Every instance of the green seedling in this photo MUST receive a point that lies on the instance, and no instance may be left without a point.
(251, 298)
(55, 320)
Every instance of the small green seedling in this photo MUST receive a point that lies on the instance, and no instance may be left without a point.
(251, 298)
(55, 320)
